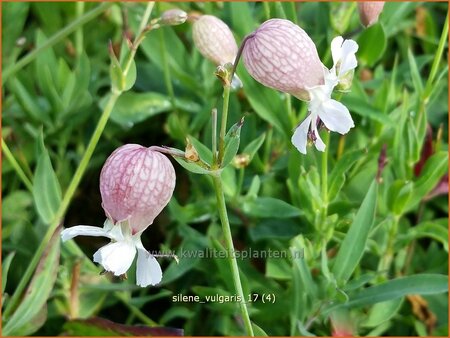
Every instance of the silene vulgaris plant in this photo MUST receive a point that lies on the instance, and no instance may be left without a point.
(296, 194)
(137, 182)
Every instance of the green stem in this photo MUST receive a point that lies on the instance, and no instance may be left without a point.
(55, 39)
(268, 150)
(16, 166)
(266, 9)
(230, 252)
(214, 134)
(145, 17)
(223, 212)
(79, 7)
(86, 157)
(135, 311)
(167, 81)
(386, 260)
(140, 34)
(324, 175)
(223, 126)
(290, 111)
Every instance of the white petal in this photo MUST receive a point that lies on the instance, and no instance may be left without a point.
(148, 270)
(320, 146)
(336, 117)
(336, 49)
(300, 137)
(348, 58)
(83, 230)
(116, 257)
(236, 82)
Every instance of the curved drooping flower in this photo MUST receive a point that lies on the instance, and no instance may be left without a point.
(215, 41)
(281, 55)
(369, 11)
(136, 183)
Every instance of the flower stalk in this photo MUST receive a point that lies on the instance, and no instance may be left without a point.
(218, 187)
(324, 177)
(230, 250)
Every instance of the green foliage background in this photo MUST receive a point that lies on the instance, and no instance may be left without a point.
(398, 228)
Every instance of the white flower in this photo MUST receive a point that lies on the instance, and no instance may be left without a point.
(136, 183)
(343, 54)
(334, 115)
(118, 255)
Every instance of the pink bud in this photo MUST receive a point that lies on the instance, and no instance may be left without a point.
(280, 55)
(136, 183)
(369, 11)
(173, 17)
(214, 40)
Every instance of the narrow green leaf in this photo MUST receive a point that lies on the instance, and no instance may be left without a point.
(12, 29)
(353, 246)
(398, 195)
(191, 166)
(31, 313)
(437, 229)
(6, 263)
(277, 268)
(242, 17)
(274, 228)
(361, 107)
(232, 140)
(372, 44)
(337, 175)
(415, 74)
(270, 207)
(258, 332)
(252, 148)
(132, 108)
(382, 312)
(435, 167)
(421, 284)
(28, 102)
(203, 151)
(115, 71)
(267, 103)
(130, 79)
(46, 188)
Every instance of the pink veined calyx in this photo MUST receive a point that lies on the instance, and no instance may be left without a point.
(215, 41)
(136, 183)
(281, 55)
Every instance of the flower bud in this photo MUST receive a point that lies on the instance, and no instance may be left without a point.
(369, 11)
(173, 17)
(214, 40)
(345, 82)
(280, 55)
(136, 183)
